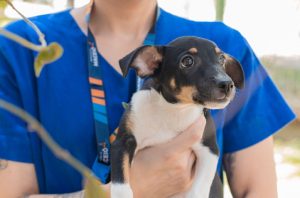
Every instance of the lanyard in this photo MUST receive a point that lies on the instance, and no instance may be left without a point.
(101, 166)
(98, 100)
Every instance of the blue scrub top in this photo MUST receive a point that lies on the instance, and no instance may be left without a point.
(60, 98)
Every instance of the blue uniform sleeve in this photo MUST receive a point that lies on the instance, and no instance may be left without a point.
(258, 110)
(14, 137)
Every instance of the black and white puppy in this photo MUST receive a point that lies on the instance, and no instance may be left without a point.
(182, 80)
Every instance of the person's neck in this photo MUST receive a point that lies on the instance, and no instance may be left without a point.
(127, 17)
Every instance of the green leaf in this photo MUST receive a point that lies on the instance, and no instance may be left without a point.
(2, 4)
(125, 105)
(47, 55)
(93, 189)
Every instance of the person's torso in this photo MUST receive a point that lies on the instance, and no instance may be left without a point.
(60, 98)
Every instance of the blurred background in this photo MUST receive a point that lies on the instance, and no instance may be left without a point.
(272, 27)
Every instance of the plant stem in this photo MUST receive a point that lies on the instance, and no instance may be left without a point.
(20, 40)
(35, 28)
(44, 135)
(220, 8)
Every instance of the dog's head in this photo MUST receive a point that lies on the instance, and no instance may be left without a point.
(188, 70)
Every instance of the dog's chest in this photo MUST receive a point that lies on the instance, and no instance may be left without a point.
(154, 120)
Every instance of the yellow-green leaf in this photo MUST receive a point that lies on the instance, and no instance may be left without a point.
(125, 105)
(47, 55)
(93, 189)
(2, 4)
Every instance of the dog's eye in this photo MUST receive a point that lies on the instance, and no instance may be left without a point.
(222, 59)
(187, 61)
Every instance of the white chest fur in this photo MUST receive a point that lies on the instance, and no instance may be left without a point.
(156, 121)
(153, 120)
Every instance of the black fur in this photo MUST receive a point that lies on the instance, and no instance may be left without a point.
(185, 62)
(209, 135)
(206, 73)
(125, 144)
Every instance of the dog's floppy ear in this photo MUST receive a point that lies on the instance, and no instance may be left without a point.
(234, 69)
(145, 60)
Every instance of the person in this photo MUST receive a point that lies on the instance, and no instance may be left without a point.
(60, 98)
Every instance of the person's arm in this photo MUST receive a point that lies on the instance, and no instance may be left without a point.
(17, 175)
(251, 171)
(17, 179)
(171, 162)
(79, 194)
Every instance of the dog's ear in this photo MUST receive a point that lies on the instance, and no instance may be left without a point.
(145, 60)
(234, 69)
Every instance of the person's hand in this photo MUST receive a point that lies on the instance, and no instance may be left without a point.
(166, 169)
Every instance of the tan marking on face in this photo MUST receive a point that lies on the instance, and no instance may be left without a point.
(147, 61)
(126, 168)
(186, 94)
(172, 83)
(218, 51)
(193, 50)
(228, 58)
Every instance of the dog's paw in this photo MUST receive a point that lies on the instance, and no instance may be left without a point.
(197, 194)
(121, 191)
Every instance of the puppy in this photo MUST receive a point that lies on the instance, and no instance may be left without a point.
(182, 80)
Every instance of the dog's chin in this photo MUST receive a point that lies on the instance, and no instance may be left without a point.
(214, 100)
(214, 103)
(217, 104)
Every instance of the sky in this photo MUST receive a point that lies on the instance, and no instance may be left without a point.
(270, 26)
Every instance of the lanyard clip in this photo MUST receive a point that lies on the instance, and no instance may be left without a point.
(103, 154)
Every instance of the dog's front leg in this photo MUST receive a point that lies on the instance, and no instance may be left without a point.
(122, 152)
(205, 171)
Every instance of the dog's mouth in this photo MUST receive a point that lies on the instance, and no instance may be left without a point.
(204, 99)
(213, 100)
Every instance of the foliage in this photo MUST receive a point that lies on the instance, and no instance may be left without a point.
(285, 71)
(93, 190)
(3, 4)
(40, 1)
(287, 143)
(220, 9)
(48, 54)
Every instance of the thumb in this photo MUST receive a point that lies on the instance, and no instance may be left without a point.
(188, 137)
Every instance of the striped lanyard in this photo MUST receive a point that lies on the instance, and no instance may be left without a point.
(101, 166)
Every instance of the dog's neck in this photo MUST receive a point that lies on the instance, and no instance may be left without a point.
(156, 120)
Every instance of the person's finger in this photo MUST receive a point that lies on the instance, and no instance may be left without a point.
(191, 164)
(187, 138)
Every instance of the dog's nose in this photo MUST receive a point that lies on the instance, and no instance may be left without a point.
(225, 86)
